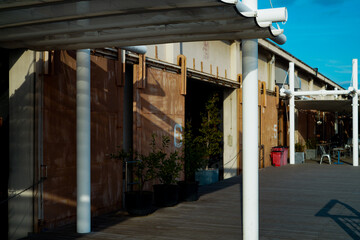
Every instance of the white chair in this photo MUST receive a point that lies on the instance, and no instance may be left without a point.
(324, 154)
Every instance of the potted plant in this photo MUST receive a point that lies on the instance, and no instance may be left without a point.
(210, 136)
(193, 159)
(310, 152)
(139, 202)
(299, 153)
(169, 166)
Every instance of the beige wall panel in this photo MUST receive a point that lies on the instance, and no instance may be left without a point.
(304, 84)
(22, 143)
(263, 71)
(216, 53)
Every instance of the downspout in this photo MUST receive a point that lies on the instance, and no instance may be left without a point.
(292, 113)
(355, 111)
(127, 119)
(83, 142)
(250, 135)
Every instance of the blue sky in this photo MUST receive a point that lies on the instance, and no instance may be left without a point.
(324, 34)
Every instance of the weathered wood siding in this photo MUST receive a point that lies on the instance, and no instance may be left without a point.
(59, 138)
(159, 109)
(269, 127)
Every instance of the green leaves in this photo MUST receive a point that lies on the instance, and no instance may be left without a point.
(210, 134)
(194, 154)
(161, 164)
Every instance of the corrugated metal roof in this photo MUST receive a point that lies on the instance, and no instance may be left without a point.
(55, 24)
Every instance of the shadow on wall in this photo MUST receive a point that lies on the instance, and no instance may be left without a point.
(344, 215)
(4, 140)
(106, 133)
(21, 142)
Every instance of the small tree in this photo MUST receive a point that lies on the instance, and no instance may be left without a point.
(169, 165)
(210, 134)
(194, 154)
(144, 167)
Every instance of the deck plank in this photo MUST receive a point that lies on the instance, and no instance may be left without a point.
(307, 201)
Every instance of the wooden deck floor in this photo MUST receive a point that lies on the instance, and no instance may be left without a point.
(307, 201)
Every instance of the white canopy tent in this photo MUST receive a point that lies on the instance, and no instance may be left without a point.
(330, 105)
(58, 24)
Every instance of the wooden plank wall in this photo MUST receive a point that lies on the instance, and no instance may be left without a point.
(159, 108)
(59, 138)
(268, 121)
(269, 127)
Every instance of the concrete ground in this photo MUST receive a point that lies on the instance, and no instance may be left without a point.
(304, 201)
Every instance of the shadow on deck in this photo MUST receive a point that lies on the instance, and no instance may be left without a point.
(305, 201)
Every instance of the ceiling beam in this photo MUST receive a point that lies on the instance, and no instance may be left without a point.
(141, 32)
(246, 34)
(121, 21)
(76, 10)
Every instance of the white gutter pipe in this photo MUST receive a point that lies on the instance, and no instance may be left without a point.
(355, 110)
(280, 39)
(250, 136)
(83, 146)
(322, 93)
(292, 113)
(136, 49)
(272, 15)
(264, 17)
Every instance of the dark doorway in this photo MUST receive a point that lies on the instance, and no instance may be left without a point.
(198, 94)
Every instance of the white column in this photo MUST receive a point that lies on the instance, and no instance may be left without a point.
(292, 113)
(250, 135)
(355, 110)
(250, 140)
(83, 162)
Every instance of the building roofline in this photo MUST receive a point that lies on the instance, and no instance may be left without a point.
(291, 58)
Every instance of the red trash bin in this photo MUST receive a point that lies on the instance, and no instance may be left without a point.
(276, 158)
(283, 155)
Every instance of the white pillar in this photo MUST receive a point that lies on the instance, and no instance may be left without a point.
(250, 140)
(355, 110)
(292, 113)
(83, 162)
(250, 135)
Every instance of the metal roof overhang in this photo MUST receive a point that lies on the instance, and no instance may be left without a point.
(57, 24)
(341, 106)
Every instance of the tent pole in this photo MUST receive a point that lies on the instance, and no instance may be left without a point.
(355, 112)
(292, 113)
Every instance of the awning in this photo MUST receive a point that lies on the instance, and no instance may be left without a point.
(56, 24)
(341, 106)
